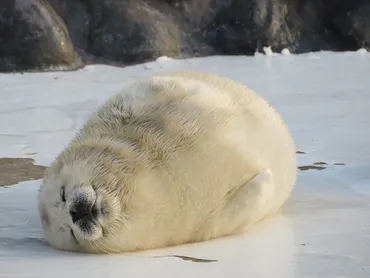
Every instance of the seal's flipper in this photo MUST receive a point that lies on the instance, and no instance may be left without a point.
(251, 201)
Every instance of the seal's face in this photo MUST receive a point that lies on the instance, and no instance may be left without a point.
(75, 214)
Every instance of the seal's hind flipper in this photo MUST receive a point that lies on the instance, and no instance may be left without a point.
(251, 201)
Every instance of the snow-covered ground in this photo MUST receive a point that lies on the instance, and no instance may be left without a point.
(324, 230)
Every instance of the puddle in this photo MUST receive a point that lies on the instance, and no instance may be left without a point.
(320, 163)
(15, 170)
(186, 258)
(311, 167)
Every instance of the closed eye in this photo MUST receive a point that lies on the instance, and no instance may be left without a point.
(63, 194)
(73, 236)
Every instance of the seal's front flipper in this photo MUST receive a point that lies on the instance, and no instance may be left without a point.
(251, 201)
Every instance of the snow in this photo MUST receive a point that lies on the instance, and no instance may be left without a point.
(285, 51)
(324, 230)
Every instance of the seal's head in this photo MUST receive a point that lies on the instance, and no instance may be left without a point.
(83, 202)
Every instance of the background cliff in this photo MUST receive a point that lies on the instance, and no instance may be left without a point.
(67, 34)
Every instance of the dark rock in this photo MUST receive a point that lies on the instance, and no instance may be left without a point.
(125, 32)
(33, 37)
(129, 31)
(242, 27)
(132, 32)
(352, 20)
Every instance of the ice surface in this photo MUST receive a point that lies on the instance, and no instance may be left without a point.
(324, 230)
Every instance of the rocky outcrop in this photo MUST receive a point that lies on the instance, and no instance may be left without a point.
(33, 36)
(41, 34)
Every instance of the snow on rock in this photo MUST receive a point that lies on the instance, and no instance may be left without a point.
(268, 51)
(285, 52)
(323, 230)
(362, 51)
(163, 58)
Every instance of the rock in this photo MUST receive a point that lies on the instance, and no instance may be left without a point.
(242, 27)
(34, 37)
(352, 20)
(132, 32)
(129, 31)
(125, 32)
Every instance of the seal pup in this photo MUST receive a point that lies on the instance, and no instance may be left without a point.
(173, 158)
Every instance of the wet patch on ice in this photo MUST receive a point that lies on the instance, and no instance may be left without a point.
(15, 170)
(320, 165)
(311, 167)
(186, 258)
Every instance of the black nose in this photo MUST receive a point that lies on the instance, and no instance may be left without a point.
(82, 210)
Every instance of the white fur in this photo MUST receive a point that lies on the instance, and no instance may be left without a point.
(178, 157)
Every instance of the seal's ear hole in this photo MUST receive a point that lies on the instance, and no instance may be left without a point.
(63, 193)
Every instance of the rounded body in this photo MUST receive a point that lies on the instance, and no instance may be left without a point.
(177, 157)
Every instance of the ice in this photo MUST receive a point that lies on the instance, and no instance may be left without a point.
(23, 121)
(324, 228)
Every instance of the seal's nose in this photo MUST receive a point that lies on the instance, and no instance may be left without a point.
(81, 210)
(81, 204)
